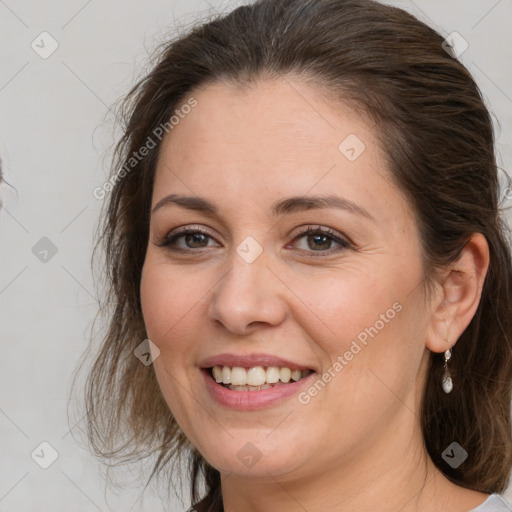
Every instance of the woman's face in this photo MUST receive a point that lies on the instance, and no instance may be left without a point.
(259, 166)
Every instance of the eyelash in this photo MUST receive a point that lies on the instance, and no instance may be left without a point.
(310, 230)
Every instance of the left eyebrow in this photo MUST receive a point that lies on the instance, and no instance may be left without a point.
(281, 207)
(301, 203)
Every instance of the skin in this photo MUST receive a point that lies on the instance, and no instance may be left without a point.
(357, 445)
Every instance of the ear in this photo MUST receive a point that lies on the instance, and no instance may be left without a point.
(458, 295)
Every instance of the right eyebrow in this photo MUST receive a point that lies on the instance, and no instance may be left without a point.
(195, 203)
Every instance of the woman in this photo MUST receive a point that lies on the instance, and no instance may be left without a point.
(304, 220)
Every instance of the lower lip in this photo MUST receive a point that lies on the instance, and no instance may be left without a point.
(252, 400)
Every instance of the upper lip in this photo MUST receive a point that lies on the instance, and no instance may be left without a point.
(251, 360)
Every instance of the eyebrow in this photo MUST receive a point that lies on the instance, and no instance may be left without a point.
(281, 207)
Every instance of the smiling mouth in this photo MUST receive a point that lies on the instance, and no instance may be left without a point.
(256, 378)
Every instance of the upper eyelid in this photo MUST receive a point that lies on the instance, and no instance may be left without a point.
(191, 227)
(300, 232)
(339, 238)
(184, 230)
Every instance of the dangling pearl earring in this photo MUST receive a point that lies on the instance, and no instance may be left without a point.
(447, 380)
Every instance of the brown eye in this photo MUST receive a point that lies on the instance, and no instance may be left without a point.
(195, 240)
(187, 239)
(320, 240)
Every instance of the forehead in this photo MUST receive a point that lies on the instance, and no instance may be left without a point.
(270, 139)
(279, 119)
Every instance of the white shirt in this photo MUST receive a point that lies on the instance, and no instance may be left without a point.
(494, 503)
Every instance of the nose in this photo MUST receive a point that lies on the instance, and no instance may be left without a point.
(249, 295)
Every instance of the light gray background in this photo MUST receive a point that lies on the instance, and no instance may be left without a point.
(53, 141)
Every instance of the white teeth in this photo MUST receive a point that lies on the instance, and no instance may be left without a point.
(285, 374)
(272, 375)
(256, 376)
(238, 376)
(226, 375)
(217, 373)
(296, 375)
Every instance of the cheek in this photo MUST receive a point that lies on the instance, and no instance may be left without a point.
(365, 319)
(344, 302)
(170, 300)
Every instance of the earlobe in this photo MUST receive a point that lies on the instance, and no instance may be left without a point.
(459, 295)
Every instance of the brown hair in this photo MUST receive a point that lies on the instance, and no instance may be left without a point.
(437, 133)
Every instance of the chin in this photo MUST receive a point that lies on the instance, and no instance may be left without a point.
(243, 455)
